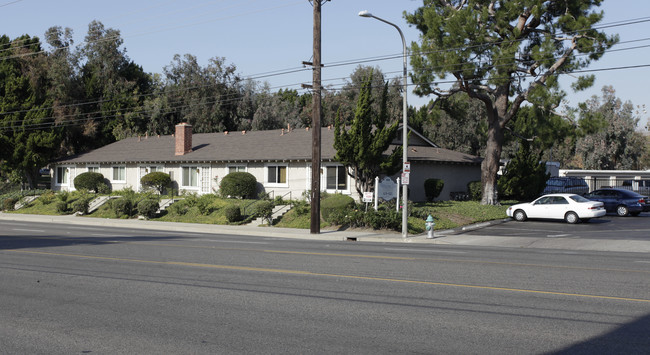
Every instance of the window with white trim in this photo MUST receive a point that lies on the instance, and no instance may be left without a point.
(62, 175)
(118, 174)
(336, 178)
(190, 176)
(236, 168)
(93, 169)
(276, 174)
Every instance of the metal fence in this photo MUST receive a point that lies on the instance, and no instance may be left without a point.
(627, 183)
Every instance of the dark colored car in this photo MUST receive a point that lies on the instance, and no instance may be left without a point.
(623, 202)
(640, 186)
(574, 185)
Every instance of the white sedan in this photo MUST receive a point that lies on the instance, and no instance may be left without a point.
(570, 207)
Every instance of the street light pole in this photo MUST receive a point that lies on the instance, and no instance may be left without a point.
(404, 124)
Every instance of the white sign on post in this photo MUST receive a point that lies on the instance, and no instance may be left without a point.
(407, 167)
(405, 178)
(368, 196)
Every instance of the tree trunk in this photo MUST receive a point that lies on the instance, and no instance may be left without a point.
(490, 165)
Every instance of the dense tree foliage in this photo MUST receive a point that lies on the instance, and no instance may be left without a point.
(362, 146)
(59, 99)
(617, 144)
(504, 53)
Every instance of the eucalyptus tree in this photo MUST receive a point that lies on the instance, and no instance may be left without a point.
(27, 136)
(206, 97)
(617, 144)
(113, 88)
(504, 53)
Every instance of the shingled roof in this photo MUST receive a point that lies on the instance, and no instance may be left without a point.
(249, 146)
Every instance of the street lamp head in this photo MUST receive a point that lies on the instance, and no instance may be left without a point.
(365, 13)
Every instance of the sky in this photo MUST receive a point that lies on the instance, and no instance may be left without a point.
(266, 39)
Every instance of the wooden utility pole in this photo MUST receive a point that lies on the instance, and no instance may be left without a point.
(315, 124)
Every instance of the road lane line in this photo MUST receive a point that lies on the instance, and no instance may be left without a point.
(309, 273)
(28, 230)
(427, 250)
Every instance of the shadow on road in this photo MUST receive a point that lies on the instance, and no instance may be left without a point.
(24, 242)
(630, 338)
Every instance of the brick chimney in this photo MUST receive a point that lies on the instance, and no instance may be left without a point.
(183, 138)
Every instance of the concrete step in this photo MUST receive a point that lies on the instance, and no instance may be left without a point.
(98, 202)
(25, 201)
(278, 211)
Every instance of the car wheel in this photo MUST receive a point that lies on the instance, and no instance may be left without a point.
(622, 211)
(571, 217)
(519, 215)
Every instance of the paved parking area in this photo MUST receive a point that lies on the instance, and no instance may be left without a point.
(609, 227)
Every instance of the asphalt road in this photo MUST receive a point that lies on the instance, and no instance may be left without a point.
(83, 289)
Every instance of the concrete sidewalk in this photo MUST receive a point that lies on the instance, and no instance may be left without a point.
(446, 237)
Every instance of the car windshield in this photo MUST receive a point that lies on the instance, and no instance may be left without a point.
(578, 198)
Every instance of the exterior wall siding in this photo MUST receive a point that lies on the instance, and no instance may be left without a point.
(297, 186)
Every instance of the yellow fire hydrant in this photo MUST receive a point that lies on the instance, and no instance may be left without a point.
(429, 227)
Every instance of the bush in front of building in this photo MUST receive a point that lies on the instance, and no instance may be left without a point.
(238, 185)
(156, 180)
(148, 207)
(89, 181)
(433, 188)
(122, 207)
(233, 213)
(475, 190)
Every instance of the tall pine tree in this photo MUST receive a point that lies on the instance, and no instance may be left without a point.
(361, 147)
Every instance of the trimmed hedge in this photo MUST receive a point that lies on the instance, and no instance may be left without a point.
(89, 181)
(433, 188)
(238, 185)
(156, 180)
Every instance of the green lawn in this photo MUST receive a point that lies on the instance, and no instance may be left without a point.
(210, 209)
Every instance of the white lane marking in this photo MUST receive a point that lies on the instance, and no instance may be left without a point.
(111, 235)
(427, 250)
(557, 235)
(28, 230)
(642, 261)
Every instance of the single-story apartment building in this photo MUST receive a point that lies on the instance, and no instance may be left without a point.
(280, 160)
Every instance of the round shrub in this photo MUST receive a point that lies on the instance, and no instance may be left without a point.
(433, 188)
(89, 181)
(156, 180)
(233, 213)
(122, 207)
(238, 185)
(335, 203)
(148, 207)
